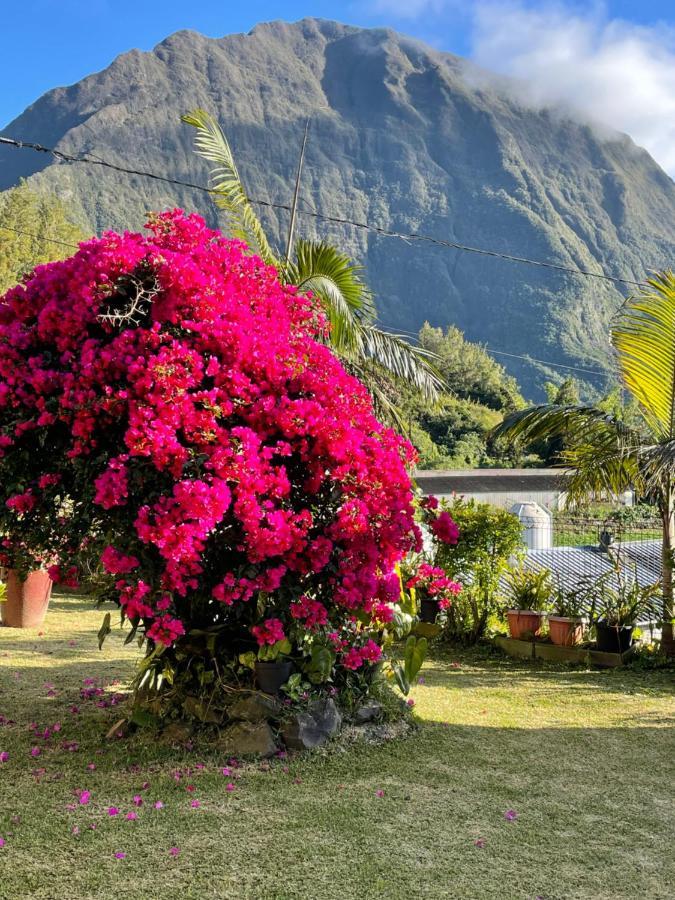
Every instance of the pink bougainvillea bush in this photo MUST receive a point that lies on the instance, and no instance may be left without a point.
(169, 409)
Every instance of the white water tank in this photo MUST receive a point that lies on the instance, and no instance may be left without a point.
(536, 522)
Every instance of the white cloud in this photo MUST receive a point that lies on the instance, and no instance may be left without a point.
(614, 72)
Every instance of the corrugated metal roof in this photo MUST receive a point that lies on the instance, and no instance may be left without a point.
(483, 481)
(573, 565)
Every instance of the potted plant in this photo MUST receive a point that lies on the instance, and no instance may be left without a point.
(26, 598)
(272, 666)
(619, 607)
(565, 621)
(527, 593)
(433, 590)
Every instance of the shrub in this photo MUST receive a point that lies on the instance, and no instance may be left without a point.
(170, 413)
(487, 538)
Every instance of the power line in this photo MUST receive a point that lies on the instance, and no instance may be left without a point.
(402, 332)
(384, 232)
(544, 362)
(38, 237)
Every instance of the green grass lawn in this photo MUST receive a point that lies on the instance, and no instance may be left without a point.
(584, 759)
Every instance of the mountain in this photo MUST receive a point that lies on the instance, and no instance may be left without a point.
(402, 136)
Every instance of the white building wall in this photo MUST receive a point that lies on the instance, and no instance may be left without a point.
(551, 500)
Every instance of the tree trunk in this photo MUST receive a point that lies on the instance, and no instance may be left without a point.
(668, 518)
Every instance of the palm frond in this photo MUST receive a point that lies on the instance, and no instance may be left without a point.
(335, 279)
(601, 452)
(644, 338)
(413, 364)
(578, 424)
(384, 407)
(229, 194)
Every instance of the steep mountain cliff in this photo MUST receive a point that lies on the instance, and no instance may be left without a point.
(403, 137)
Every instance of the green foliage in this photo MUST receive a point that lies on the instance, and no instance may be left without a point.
(415, 653)
(528, 588)
(610, 455)
(467, 620)
(295, 688)
(272, 652)
(38, 216)
(571, 602)
(619, 599)
(488, 538)
(320, 665)
(453, 432)
(470, 371)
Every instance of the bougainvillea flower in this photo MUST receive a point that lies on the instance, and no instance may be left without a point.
(233, 464)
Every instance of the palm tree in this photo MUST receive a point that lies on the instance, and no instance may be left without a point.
(332, 276)
(606, 454)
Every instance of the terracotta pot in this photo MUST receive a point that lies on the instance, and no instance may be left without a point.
(26, 602)
(565, 632)
(524, 624)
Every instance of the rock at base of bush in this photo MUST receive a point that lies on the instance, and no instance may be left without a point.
(311, 728)
(255, 707)
(368, 712)
(175, 733)
(248, 739)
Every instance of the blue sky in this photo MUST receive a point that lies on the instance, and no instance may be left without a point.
(616, 59)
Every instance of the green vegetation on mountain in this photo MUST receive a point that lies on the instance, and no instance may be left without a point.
(34, 228)
(402, 136)
(453, 433)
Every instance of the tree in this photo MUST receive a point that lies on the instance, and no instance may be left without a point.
(35, 228)
(608, 453)
(318, 267)
(470, 370)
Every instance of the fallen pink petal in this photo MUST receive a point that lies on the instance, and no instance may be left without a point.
(510, 815)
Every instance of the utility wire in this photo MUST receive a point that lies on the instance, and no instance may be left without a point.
(389, 328)
(38, 237)
(384, 232)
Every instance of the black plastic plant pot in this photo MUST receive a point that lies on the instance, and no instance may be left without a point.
(270, 675)
(613, 638)
(428, 609)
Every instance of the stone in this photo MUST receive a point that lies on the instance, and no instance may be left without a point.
(255, 707)
(326, 715)
(368, 712)
(248, 739)
(309, 729)
(175, 733)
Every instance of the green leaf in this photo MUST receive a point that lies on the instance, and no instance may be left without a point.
(228, 189)
(321, 665)
(248, 659)
(401, 679)
(415, 654)
(132, 634)
(104, 630)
